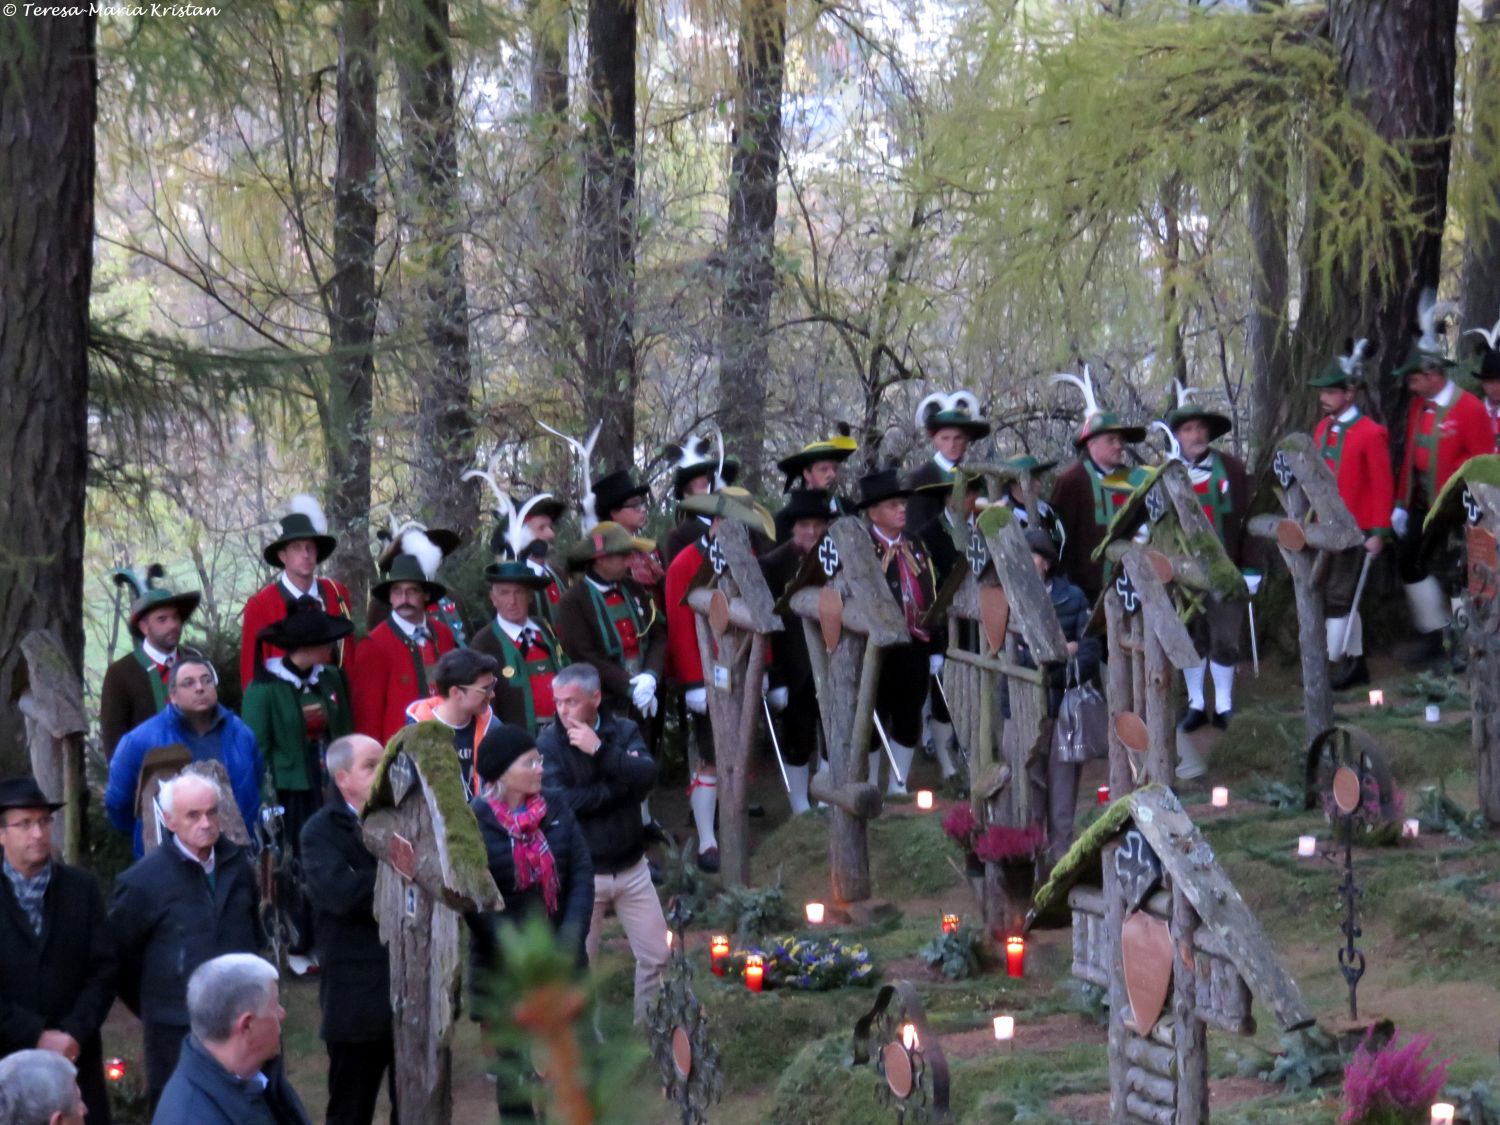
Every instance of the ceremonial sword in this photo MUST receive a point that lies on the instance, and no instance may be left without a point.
(889, 754)
(1359, 589)
(765, 705)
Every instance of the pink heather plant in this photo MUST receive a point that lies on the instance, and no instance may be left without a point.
(959, 825)
(1395, 1085)
(998, 843)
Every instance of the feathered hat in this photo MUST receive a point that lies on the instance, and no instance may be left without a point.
(1427, 352)
(304, 520)
(1485, 362)
(145, 595)
(512, 537)
(698, 457)
(1344, 369)
(1095, 420)
(1218, 424)
(389, 539)
(417, 561)
(957, 410)
(585, 450)
(838, 448)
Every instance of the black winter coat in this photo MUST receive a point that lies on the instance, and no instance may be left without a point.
(201, 1091)
(167, 921)
(604, 791)
(1073, 611)
(354, 976)
(791, 666)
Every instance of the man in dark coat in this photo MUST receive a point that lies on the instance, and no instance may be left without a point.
(354, 982)
(228, 1073)
(190, 900)
(953, 423)
(135, 686)
(815, 466)
(56, 959)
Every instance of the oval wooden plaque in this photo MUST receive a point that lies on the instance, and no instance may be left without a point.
(1161, 565)
(718, 613)
(898, 1069)
(994, 615)
(682, 1052)
(1146, 959)
(1290, 536)
(831, 616)
(1346, 789)
(1131, 729)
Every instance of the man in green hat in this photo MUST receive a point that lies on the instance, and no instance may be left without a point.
(444, 608)
(135, 685)
(1088, 492)
(1023, 496)
(525, 648)
(697, 470)
(300, 546)
(953, 423)
(399, 655)
(816, 466)
(1222, 487)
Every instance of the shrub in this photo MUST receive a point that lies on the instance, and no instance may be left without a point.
(1394, 1084)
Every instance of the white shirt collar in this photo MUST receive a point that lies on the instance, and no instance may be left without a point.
(1350, 413)
(538, 566)
(312, 591)
(206, 864)
(513, 631)
(1444, 398)
(276, 665)
(886, 539)
(155, 655)
(943, 463)
(602, 587)
(399, 622)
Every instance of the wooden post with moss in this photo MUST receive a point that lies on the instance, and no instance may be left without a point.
(1168, 564)
(1470, 505)
(52, 705)
(735, 616)
(432, 868)
(1315, 526)
(850, 618)
(1168, 936)
(996, 603)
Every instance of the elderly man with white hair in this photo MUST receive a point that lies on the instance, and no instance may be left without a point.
(39, 1087)
(225, 1075)
(192, 899)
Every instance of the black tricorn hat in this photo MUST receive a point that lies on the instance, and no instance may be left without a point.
(305, 627)
(24, 793)
(613, 489)
(808, 504)
(884, 484)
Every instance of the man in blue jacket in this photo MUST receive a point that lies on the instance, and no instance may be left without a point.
(194, 720)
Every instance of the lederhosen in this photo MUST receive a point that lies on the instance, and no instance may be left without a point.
(1216, 631)
(903, 670)
(530, 673)
(1344, 567)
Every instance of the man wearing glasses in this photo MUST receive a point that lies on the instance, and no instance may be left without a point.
(465, 682)
(57, 970)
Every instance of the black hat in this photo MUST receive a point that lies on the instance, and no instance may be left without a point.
(444, 540)
(837, 449)
(808, 504)
(698, 458)
(1485, 364)
(613, 489)
(409, 568)
(24, 793)
(1040, 543)
(306, 626)
(958, 410)
(304, 520)
(875, 487)
(513, 570)
(499, 749)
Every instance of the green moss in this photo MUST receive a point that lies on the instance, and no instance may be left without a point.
(430, 746)
(1084, 849)
(994, 519)
(1224, 578)
(1449, 509)
(1132, 513)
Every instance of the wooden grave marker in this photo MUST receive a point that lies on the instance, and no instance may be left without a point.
(735, 615)
(432, 868)
(1169, 937)
(52, 706)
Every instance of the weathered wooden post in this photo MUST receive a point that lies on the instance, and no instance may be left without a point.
(735, 615)
(433, 867)
(162, 763)
(55, 725)
(1316, 526)
(1471, 500)
(1160, 582)
(999, 590)
(1177, 948)
(850, 618)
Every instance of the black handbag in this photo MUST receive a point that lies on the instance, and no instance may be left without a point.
(1081, 731)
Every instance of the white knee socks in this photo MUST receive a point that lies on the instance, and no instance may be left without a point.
(703, 797)
(1335, 626)
(796, 783)
(1194, 680)
(1223, 675)
(942, 740)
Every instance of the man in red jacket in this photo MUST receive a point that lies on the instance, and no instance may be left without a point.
(397, 658)
(1357, 450)
(301, 546)
(1445, 426)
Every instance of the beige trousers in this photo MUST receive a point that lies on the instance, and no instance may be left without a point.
(637, 907)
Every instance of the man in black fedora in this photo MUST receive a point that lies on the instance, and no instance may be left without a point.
(619, 499)
(57, 968)
(135, 685)
(904, 671)
(301, 545)
(816, 467)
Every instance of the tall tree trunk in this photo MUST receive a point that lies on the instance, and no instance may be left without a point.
(352, 328)
(1271, 389)
(608, 222)
(47, 107)
(445, 421)
(1397, 59)
(755, 165)
(1481, 295)
(1171, 207)
(549, 324)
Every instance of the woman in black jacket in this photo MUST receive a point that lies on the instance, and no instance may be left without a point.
(538, 858)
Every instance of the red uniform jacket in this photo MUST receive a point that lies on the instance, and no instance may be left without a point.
(1463, 431)
(269, 605)
(387, 683)
(684, 666)
(1359, 456)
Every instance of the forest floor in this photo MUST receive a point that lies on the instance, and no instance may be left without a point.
(1430, 916)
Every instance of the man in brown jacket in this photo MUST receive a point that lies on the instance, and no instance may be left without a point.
(135, 686)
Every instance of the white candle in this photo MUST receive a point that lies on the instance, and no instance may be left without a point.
(1005, 1027)
(1220, 797)
(1307, 846)
(924, 798)
(1377, 697)
(1442, 1113)
(1433, 714)
(815, 913)
(909, 1036)
(1411, 828)
(669, 939)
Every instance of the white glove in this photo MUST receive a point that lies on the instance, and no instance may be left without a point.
(1399, 520)
(776, 697)
(696, 700)
(935, 664)
(1252, 580)
(643, 693)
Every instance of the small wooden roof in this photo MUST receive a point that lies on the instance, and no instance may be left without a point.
(1475, 477)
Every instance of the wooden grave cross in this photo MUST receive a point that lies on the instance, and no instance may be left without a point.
(52, 706)
(1314, 527)
(849, 618)
(734, 614)
(433, 867)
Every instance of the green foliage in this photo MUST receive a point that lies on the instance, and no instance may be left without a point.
(957, 955)
(1438, 812)
(750, 912)
(1310, 1057)
(1277, 794)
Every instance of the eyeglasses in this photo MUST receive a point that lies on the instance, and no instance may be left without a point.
(43, 824)
(483, 689)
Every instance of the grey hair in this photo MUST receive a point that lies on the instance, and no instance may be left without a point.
(340, 753)
(225, 988)
(182, 662)
(34, 1085)
(168, 790)
(585, 676)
